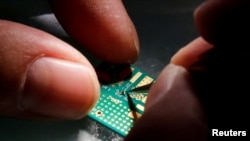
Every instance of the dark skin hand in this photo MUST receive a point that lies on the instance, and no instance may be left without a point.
(36, 65)
(196, 92)
(207, 87)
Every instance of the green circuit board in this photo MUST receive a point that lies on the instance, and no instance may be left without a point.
(113, 108)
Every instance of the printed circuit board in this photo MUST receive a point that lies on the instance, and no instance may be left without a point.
(118, 108)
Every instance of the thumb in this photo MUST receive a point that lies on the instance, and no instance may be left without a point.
(173, 111)
(43, 77)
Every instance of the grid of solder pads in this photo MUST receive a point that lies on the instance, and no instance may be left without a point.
(113, 108)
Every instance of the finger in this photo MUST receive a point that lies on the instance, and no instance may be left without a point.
(220, 82)
(224, 21)
(192, 53)
(173, 112)
(103, 27)
(43, 77)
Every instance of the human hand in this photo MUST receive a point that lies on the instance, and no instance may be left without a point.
(186, 119)
(203, 88)
(43, 77)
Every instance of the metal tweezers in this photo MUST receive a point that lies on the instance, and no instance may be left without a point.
(141, 89)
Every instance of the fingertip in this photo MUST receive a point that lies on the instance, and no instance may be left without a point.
(191, 53)
(102, 27)
(204, 16)
(223, 21)
(42, 66)
(173, 111)
(60, 89)
(171, 77)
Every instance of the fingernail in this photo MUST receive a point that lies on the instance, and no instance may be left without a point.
(137, 45)
(135, 51)
(172, 78)
(59, 89)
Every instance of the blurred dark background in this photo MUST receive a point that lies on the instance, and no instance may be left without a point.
(163, 26)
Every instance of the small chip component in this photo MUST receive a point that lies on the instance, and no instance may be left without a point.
(110, 73)
(118, 107)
